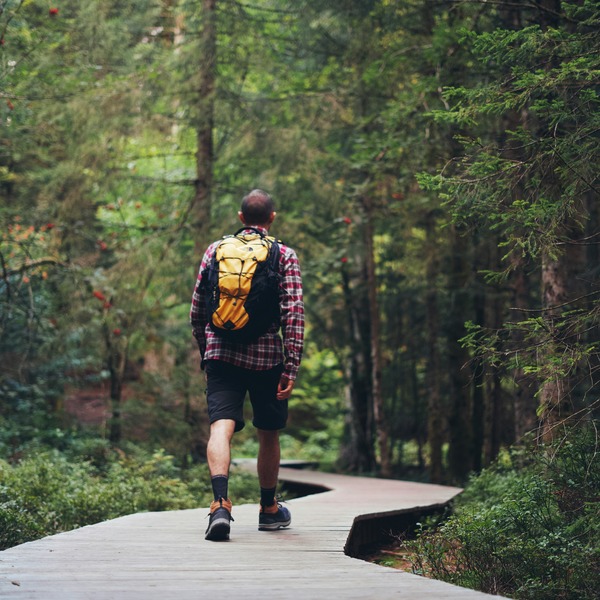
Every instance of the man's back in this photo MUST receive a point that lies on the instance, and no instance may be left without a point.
(270, 348)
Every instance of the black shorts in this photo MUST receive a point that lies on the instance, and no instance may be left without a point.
(227, 386)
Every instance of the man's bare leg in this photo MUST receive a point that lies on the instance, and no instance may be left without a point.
(269, 455)
(218, 450)
(218, 454)
(272, 516)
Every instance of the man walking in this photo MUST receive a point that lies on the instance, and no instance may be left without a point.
(265, 367)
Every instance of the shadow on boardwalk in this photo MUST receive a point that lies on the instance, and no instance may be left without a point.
(163, 556)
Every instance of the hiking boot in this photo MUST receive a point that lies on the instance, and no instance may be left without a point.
(273, 517)
(218, 524)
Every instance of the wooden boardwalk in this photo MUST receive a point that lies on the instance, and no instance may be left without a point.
(163, 556)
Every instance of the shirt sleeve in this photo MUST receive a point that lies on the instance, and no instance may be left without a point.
(292, 313)
(198, 317)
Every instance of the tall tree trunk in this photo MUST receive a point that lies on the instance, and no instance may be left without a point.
(525, 403)
(193, 416)
(116, 361)
(520, 284)
(460, 417)
(357, 453)
(493, 386)
(495, 417)
(522, 297)
(561, 291)
(488, 413)
(554, 391)
(398, 380)
(205, 124)
(419, 411)
(435, 411)
(480, 305)
(563, 281)
(592, 277)
(381, 430)
(201, 204)
(480, 398)
(549, 12)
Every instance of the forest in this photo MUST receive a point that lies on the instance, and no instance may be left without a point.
(433, 162)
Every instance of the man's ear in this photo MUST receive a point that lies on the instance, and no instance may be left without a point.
(272, 217)
(241, 216)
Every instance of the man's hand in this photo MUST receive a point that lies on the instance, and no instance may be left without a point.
(285, 387)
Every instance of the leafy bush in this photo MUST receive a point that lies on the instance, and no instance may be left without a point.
(50, 492)
(530, 533)
(16, 525)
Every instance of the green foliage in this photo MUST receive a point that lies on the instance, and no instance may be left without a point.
(564, 334)
(521, 172)
(526, 183)
(324, 104)
(527, 532)
(49, 492)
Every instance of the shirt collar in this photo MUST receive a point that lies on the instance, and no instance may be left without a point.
(263, 229)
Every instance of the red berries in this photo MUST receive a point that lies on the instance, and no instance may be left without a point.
(53, 11)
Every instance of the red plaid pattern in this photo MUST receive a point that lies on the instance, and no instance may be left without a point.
(270, 349)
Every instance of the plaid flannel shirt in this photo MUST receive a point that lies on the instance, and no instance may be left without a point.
(270, 349)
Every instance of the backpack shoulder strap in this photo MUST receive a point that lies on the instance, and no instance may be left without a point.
(255, 229)
(270, 238)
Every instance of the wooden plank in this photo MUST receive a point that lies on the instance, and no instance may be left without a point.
(164, 556)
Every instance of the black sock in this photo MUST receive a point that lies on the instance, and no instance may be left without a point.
(219, 486)
(267, 496)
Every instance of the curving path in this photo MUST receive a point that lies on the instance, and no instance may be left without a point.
(163, 556)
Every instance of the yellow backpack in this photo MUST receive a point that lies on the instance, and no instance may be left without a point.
(242, 285)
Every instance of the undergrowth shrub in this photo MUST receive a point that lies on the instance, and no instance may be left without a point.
(530, 533)
(50, 492)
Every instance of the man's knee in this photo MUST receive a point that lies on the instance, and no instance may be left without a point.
(223, 428)
(268, 437)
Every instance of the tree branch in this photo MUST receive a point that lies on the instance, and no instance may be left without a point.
(29, 264)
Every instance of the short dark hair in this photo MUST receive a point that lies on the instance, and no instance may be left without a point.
(257, 207)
